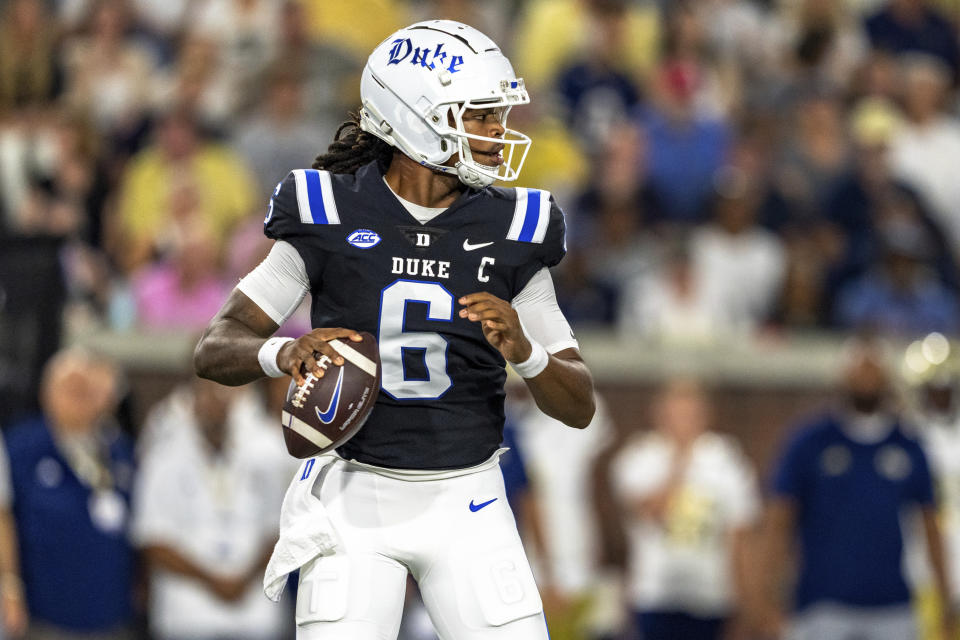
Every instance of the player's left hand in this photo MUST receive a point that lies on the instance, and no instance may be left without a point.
(500, 324)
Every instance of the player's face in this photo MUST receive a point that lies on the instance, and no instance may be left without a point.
(487, 123)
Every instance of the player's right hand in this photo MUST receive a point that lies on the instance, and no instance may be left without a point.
(300, 357)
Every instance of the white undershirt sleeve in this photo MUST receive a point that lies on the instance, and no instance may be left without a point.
(279, 283)
(541, 316)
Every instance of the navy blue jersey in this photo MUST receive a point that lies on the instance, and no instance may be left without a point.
(373, 267)
(849, 497)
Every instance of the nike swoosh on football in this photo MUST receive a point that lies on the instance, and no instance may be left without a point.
(477, 507)
(327, 416)
(470, 247)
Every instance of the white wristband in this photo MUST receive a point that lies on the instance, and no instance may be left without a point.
(535, 364)
(267, 356)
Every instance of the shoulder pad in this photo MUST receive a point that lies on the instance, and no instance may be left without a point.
(304, 197)
(531, 215)
(538, 221)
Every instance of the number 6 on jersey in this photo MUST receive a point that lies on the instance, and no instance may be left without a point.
(395, 342)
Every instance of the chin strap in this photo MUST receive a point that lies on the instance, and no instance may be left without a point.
(473, 178)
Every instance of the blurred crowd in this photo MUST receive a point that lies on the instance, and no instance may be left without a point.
(727, 167)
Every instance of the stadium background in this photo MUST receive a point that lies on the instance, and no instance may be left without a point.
(747, 184)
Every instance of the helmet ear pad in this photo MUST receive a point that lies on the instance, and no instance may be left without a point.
(399, 125)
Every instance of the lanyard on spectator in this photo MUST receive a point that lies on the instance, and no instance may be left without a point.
(88, 458)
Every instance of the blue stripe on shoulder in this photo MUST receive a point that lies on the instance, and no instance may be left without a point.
(315, 197)
(531, 216)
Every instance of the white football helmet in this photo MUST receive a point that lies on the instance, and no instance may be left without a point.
(418, 83)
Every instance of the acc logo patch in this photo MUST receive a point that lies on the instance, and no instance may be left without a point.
(364, 238)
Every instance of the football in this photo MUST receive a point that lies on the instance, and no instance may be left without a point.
(325, 412)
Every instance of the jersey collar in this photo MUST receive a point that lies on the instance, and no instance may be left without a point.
(371, 180)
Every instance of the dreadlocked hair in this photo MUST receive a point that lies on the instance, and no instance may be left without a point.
(352, 148)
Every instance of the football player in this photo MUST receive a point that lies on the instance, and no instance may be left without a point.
(397, 231)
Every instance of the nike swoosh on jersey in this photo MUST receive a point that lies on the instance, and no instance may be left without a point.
(327, 416)
(477, 507)
(470, 247)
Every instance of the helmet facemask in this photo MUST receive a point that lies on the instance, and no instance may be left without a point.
(515, 146)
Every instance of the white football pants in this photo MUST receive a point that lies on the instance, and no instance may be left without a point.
(456, 536)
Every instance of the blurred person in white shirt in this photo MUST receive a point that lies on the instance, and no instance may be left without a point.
(925, 151)
(689, 500)
(937, 413)
(557, 518)
(244, 33)
(740, 264)
(108, 72)
(722, 281)
(669, 302)
(205, 515)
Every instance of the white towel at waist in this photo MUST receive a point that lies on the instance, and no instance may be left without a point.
(305, 529)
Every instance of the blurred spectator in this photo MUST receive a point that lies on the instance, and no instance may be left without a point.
(938, 415)
(184, 289)
(70, 183)
(597, 92)
(687, 59)
(337, 23)
(584, 300)
(30, 75)
(926, 148)
(281, 137)
(670, 302)
(901, 295)
(853, 206)
(725, 282)
(554, 31)
(108, 73)
(742, 35)
(688, 499)
(841, 485)
(72, 471)
(686, 140)
(206, 515)
(244, 34)
(815, 154)
(182, 180)
(739, 264)
(193, 83)
(326, 71)
(915, 26)
(167, 19)
(69, 189)
(615, 215)
(826, 40)
(560, 531)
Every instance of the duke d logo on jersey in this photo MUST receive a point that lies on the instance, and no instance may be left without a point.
(422, 237)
